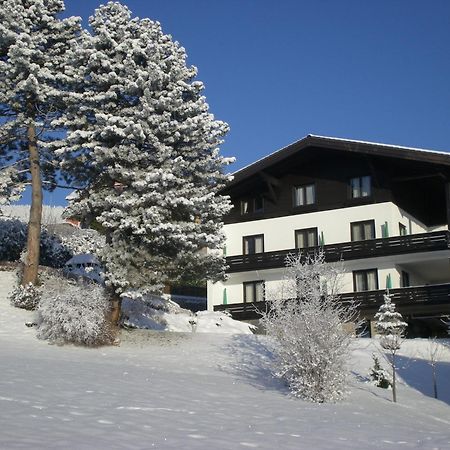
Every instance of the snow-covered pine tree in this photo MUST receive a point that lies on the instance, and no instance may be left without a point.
(148, 152)
(391, 327)
(35, 47)
(11, 187)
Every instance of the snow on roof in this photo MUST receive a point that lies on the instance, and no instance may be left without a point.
(336, 139)
(379, 144)
(83, 258)
(72, 196)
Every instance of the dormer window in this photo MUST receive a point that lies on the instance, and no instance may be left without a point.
(252, 205)
(304, 195)
(361, 187)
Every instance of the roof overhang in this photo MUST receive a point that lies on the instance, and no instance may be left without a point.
(347, 145)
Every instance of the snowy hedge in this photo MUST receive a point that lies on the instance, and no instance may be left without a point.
(13, 238)
(25, 297)
(74, 311)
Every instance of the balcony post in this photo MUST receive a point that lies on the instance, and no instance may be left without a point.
(447, 202)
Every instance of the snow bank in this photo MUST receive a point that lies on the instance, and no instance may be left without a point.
(198, 391)
(161, 314)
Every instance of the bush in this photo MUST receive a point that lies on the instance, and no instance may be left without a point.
(25, 297)
(74, 311)
(13, 238)
(306, 321)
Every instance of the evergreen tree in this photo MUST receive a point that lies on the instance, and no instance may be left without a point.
(391, 327)
(35, 47)
(147, 150)
(378, 375)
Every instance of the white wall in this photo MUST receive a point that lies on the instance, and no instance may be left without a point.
(335, 225)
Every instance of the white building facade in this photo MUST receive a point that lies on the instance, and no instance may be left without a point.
(381, 210)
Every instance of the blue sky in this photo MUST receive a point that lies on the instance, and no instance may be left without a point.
(279, 70)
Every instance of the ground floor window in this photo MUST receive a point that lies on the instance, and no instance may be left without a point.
(253, 291)
(405, 279)
(365, 280)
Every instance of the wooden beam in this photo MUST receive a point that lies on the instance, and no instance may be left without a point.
(447, 202)
(271, 182)
(418, 177)
(270, 179)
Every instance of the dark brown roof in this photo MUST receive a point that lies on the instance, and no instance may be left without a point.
(371, 148)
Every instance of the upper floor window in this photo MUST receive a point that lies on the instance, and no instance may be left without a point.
(365, 280)
(361, 187)
(304, 195)
(252, 205)
(306, 238)
(362, 231)
(253, 291)
(253, 244)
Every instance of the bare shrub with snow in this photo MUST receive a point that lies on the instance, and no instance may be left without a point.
(74, 311)
(25, 297)
(306, 320)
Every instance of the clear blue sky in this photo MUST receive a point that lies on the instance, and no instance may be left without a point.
(279, 70)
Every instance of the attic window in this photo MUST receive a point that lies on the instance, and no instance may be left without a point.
(360, 187)
(252, 205)
(304, 195)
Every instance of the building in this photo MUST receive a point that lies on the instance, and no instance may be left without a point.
(384, 210)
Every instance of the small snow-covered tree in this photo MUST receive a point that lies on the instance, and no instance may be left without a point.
(306, 320)
(35, 49)
(147, 151)
(391, 327)
(378, 374)
(433, 355)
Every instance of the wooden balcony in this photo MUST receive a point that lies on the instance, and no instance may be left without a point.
(419, 300)
(413, 243)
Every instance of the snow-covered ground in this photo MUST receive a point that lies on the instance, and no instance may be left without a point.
(198, 391)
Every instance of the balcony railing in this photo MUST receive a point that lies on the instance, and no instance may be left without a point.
(429, 299)
(413, 243)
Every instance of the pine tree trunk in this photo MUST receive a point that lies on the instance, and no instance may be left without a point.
(116, 309)
(30, 274)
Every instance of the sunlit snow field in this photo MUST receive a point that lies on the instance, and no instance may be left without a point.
(198, 391)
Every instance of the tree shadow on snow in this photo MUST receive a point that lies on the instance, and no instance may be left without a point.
(417, 373)
(254, 362)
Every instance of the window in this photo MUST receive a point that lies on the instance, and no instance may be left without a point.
(306, 238)
(304, 195)
(253, 244)
(405, 279)
(402, 229)
(365, 280)
(258, 204)
(362, 231)
(253, 205)
(253, 291)
(360, 187)
(245, 207)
